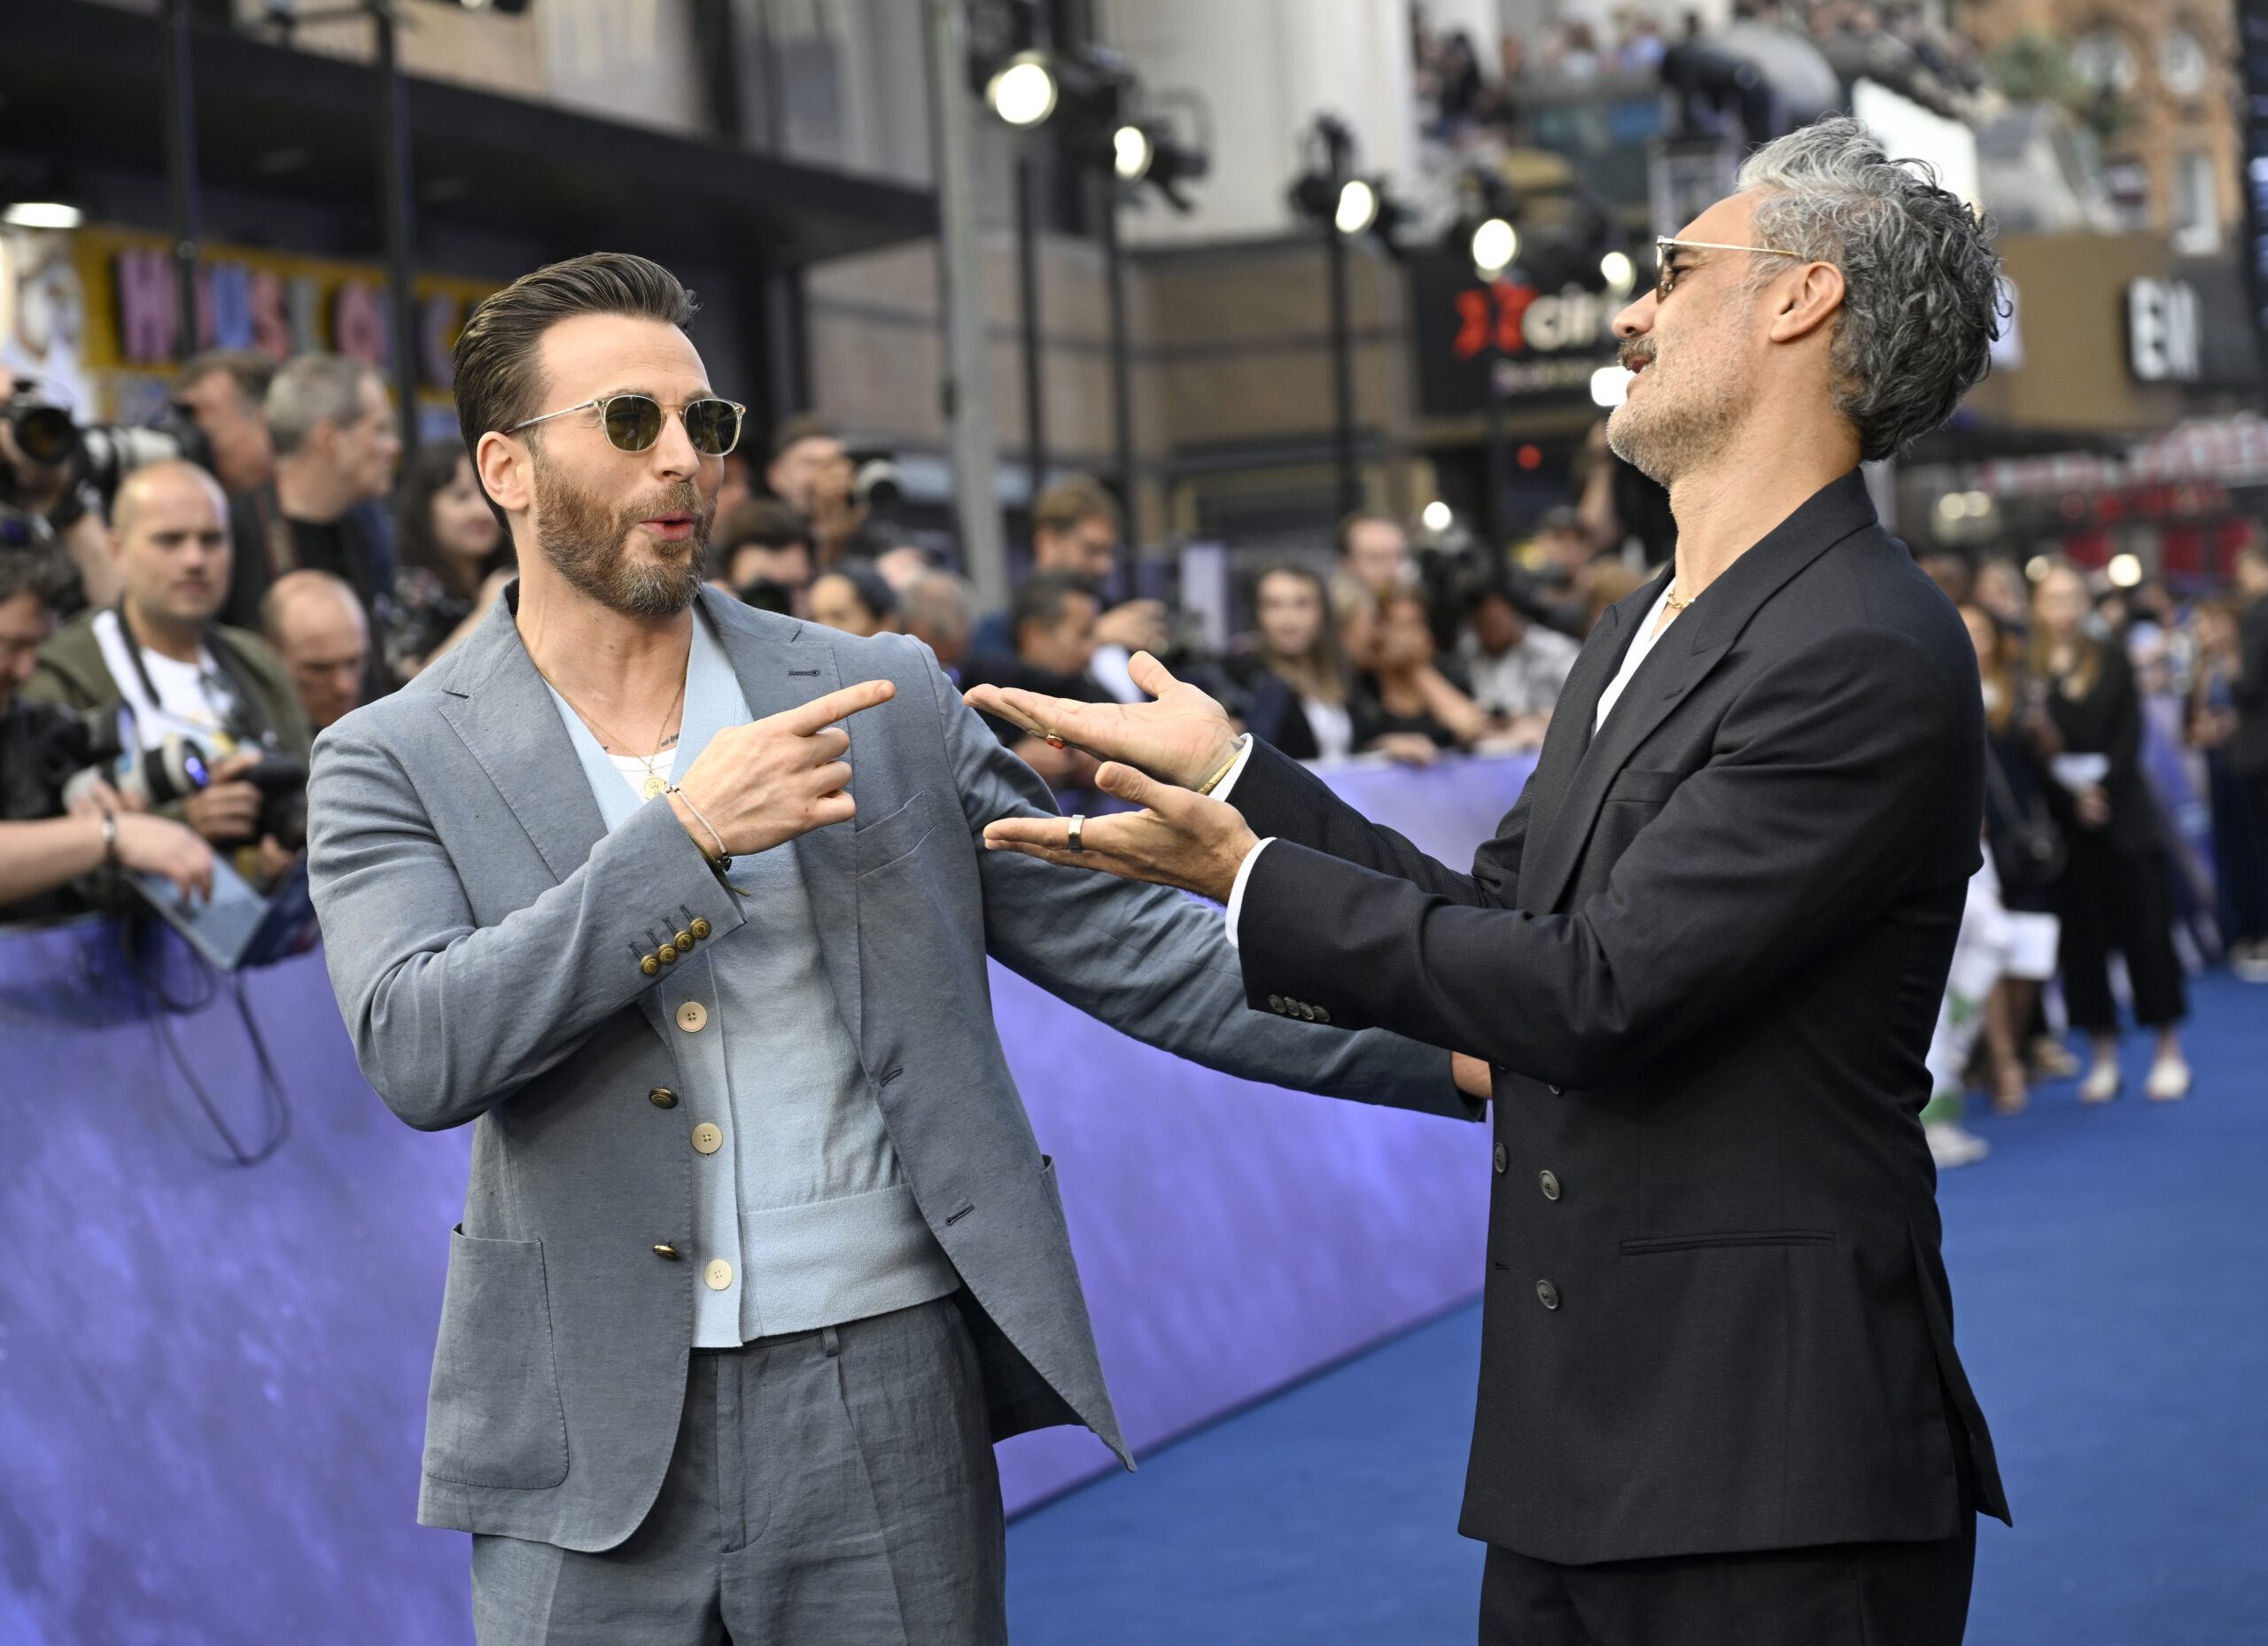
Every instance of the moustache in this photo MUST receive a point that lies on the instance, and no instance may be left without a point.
(1635, 352)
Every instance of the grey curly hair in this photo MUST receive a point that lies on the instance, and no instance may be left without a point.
(1922, 301)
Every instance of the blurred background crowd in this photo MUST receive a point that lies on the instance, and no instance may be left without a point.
(1274, 340)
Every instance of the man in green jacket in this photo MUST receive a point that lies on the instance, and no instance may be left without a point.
(158, 653)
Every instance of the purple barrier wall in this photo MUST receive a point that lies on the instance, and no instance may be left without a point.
(213, 1378)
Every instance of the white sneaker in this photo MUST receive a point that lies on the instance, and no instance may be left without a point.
(2102, 1084)
(2168, 1081)
(1952, 1145)
(2250, 969)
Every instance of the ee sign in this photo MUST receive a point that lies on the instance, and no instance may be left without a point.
(2162, 334)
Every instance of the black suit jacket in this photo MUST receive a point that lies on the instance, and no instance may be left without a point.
(1703, 955)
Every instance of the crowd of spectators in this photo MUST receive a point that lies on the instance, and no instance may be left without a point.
(238, 607)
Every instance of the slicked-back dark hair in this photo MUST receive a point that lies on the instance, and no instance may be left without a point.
(497, 376)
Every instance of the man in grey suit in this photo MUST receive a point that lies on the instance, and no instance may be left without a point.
(759, 1256)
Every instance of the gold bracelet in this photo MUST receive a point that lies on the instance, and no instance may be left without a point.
(1214, 781)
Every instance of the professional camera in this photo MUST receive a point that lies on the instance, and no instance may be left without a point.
(98, 454)
(78, 749)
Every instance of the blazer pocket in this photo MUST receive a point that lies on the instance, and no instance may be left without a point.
(493, 1416)
(1703, 1242)
(878, 844)
(1647, 788)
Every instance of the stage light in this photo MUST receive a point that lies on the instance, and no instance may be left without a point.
(1619, 272)
(1131, 151)
(1357, 208)
(1023, 93)
(1437, 516)
(43, 215)
(1495, 243)
(2125, 570)
(1610, 387)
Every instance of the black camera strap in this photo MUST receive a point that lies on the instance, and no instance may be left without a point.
(248, 715)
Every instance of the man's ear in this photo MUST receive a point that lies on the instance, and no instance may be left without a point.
(504, 465)
(1805, 301)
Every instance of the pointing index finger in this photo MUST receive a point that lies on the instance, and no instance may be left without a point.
(821, 712)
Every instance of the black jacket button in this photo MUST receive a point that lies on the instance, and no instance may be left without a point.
(1504, 1160)
(1547, 1294)
(1549, 1183)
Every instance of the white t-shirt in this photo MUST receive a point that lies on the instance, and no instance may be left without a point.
(1649, 631)
(636, 772)
(194, 699)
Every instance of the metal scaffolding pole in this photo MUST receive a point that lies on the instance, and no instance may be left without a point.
(1122, 362)
(395, 185)
(1028, 175)
(967, 383)
(1342, 373)
(181, 173)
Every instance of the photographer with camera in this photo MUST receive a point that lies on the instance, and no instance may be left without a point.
(43, 472)
(45, 842)
(220, 738)
(225, 393)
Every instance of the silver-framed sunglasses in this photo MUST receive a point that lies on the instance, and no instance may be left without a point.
(633, 422)
(1666, 273)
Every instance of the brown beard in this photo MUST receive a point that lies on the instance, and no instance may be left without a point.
(586, 543)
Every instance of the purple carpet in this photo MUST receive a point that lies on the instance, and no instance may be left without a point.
(213, 1376)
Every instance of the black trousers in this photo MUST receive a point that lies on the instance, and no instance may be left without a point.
(1837, 1595)
(2112, 899)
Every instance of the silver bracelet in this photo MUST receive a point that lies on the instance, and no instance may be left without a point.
(110, 840)
(723, 859)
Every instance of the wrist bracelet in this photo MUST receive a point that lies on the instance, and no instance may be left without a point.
(723, 860)
(110, 840)
(1214, 781)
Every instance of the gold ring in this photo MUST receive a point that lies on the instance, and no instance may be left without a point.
(1078, 822)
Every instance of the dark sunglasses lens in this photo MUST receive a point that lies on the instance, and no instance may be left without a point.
(632, 421)
(713, 426)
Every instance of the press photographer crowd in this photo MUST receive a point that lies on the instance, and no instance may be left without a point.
(183, 607)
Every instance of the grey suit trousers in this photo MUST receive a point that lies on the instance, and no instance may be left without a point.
(828, 1488)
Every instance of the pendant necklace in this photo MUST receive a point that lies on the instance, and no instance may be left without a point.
(654, 783)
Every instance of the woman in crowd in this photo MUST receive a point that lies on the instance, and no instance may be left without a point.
(2025, 846)
(1296, 678)
(455, 557)
(2240, 872)
(852, 596)
(2085, 724)
(1405, 706)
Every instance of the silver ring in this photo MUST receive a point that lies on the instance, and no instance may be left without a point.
(1078, 822)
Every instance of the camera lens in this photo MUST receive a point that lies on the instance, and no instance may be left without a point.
(46, 434)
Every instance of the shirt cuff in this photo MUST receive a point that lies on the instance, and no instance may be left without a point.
(1244, 875)
(1235, 770)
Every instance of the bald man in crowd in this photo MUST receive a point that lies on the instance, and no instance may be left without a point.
(317, 625)
(159, 652)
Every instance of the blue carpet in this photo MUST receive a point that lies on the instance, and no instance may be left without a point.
(2110, 1268)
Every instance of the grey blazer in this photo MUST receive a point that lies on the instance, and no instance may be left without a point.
(484, 934)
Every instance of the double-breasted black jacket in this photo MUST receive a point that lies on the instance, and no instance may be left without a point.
(1703, 955)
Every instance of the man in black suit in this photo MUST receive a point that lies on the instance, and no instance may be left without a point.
(1720, 1401)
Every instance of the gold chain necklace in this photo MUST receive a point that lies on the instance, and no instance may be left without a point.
(654, 783)
(1675, 604)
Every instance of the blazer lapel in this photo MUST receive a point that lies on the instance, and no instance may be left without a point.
(500, 708)
(1572, 715)
(1695, 644)
(782, 663)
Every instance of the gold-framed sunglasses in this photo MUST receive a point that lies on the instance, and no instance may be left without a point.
(1666, 273)
(633, 422)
